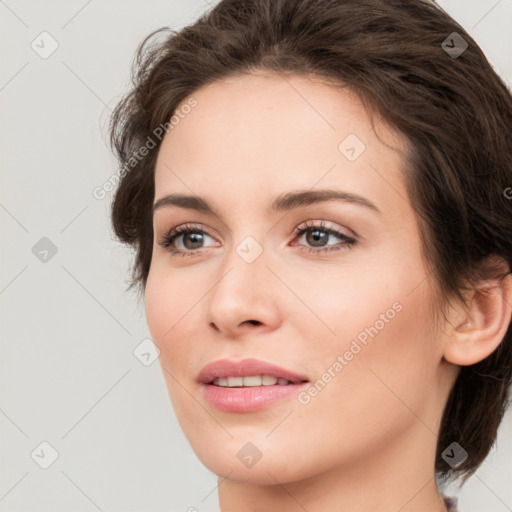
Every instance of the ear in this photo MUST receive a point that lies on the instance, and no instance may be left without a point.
(479, 327)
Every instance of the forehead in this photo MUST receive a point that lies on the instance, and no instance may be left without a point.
(262, 134)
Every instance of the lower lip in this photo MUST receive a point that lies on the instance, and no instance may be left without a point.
(248, 399)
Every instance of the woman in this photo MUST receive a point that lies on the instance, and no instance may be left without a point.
(316, 191)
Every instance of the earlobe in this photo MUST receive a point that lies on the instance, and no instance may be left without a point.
(484, 323)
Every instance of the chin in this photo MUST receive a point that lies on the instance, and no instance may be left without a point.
(242, 462)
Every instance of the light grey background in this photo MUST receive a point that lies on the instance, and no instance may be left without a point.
(68, 373)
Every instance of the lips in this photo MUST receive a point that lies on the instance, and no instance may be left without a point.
(224, 368)
(245, 393)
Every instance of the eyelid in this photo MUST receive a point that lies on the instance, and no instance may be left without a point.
(302, 226)
(176, 231)
(330, 227)
(347, 240)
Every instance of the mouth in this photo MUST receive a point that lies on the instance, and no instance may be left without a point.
(250, 381)
(247, 373)
(247, 385)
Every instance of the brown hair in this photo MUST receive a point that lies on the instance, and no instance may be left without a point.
(453, 110)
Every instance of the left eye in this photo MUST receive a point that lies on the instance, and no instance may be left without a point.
(319, 235)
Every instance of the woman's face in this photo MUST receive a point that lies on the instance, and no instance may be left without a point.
(347, 313)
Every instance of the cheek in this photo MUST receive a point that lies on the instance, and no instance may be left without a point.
(382, 300)
(175, 319)
(167, 313)
(380, 327)
(155, 305)
(168, 308)
(381, 363)
(357, 301)
(168, 318)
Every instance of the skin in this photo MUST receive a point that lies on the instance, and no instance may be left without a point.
(367, 441)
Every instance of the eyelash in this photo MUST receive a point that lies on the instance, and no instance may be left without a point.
(168, 239)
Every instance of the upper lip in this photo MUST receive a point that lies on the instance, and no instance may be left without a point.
(246, 368)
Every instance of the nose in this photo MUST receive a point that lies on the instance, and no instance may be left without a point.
(245, 297)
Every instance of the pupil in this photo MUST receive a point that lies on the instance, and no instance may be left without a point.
(317, 236)
(196, 239)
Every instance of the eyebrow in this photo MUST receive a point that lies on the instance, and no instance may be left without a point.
(283, 202)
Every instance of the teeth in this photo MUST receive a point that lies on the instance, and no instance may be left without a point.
(235, 381)
(267, 380)
(252, 381)
(249, 381)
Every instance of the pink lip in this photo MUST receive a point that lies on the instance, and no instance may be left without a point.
(245, 368)
(247, 399)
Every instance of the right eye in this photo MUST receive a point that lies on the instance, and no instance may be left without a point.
(188, 234)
